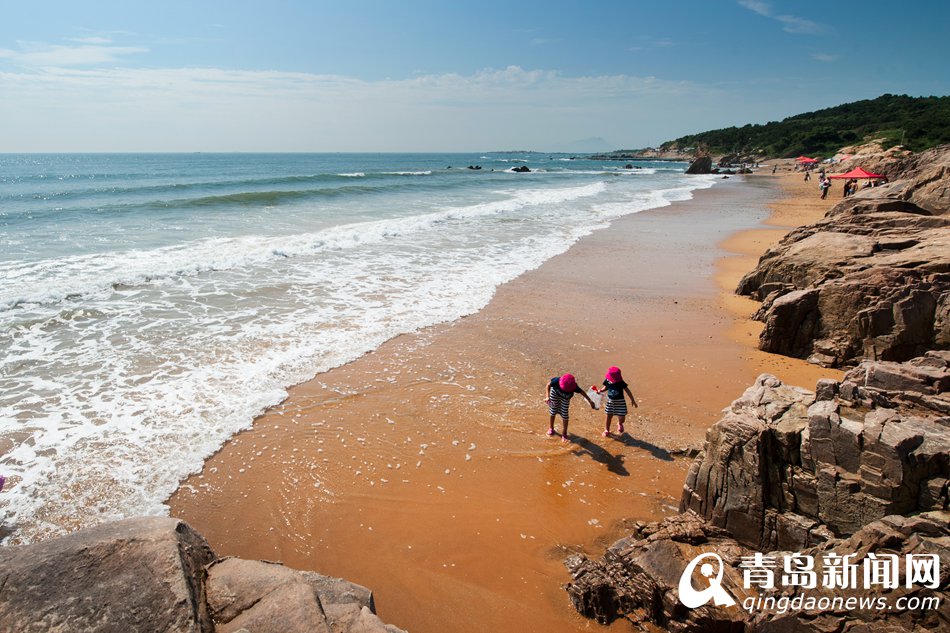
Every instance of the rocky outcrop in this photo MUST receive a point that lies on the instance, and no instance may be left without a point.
(254, 595)
(859, 466)
(870, 280)
(638, 578)
(702, 165)
(157, 574)
(786, 469)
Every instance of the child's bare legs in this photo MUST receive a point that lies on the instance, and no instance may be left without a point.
(564, 434)
(551, 426)
(620, 420)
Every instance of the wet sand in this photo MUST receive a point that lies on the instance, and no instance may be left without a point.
(422, 470)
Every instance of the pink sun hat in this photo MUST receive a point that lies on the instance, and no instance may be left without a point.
(567, 383)
(613, 375)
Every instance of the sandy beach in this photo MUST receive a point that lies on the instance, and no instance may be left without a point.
(422, 471)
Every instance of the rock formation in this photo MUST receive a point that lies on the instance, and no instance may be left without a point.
(870, 280)
(858, 467)
(637, 579)
(785, 469)
(157, 574)
(702, 165)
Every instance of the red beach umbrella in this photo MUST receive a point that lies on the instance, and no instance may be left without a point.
(857, 173)
(805, 159)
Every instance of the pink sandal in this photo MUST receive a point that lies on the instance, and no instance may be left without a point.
(551, 432)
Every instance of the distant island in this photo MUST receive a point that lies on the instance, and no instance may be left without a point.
(648, 153)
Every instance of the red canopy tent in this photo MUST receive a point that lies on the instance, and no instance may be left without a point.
(805, 159)
(857, 173)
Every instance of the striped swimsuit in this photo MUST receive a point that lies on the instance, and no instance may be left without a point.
(559, 401)
(616, 403)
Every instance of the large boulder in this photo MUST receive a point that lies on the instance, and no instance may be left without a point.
(154, 574)
(267, 597)
(786, 469)
(140, 574)
(701, 165)
(871, 280)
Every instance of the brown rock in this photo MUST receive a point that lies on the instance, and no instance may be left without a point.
(139, 574)
(268, 597)
(157, 574)
(781, 463)
(702, 165)
(870, 280)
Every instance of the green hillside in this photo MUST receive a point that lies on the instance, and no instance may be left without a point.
(921, 122)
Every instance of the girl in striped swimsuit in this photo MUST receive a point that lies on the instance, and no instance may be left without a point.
(558, 394)
(616, 405)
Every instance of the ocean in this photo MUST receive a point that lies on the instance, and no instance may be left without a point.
(152, 305)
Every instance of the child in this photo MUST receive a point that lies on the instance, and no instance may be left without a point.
(616, 405)
(557, 395)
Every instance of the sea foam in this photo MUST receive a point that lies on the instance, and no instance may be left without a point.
(125, 369)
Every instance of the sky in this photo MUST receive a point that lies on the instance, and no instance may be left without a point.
(428, 76)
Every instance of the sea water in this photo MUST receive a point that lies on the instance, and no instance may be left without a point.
(152, 305)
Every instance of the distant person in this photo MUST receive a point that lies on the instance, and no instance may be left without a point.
(774, 167)
(824, 186)
(557, 395)
(807, 175)
(615, 387)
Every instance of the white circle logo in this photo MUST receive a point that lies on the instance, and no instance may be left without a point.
(692, 598)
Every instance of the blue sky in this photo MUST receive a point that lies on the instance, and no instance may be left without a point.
(443, 76)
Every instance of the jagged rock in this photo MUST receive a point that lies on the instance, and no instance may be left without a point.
(639, 581)
(157, 574)
(862, 466)
(139, 574)
(782, 462)
(870, 280)
(251, 594)
(702, 165)
(637, 576)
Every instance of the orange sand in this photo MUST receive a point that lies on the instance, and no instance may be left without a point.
(421, 470)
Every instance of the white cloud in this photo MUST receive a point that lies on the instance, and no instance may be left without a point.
(824, 57)
(762, 8)
(88, 52)
(800, 25)
(793, 24)
(646, 42)
(91, 40)
(75, 109)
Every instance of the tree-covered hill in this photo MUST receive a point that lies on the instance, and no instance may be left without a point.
(918, 123)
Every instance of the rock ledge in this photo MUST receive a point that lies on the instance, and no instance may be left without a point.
(154, 574)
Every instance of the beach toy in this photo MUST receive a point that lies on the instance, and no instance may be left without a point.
(595, 397)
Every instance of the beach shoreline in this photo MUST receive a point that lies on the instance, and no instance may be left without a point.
(421, 469)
